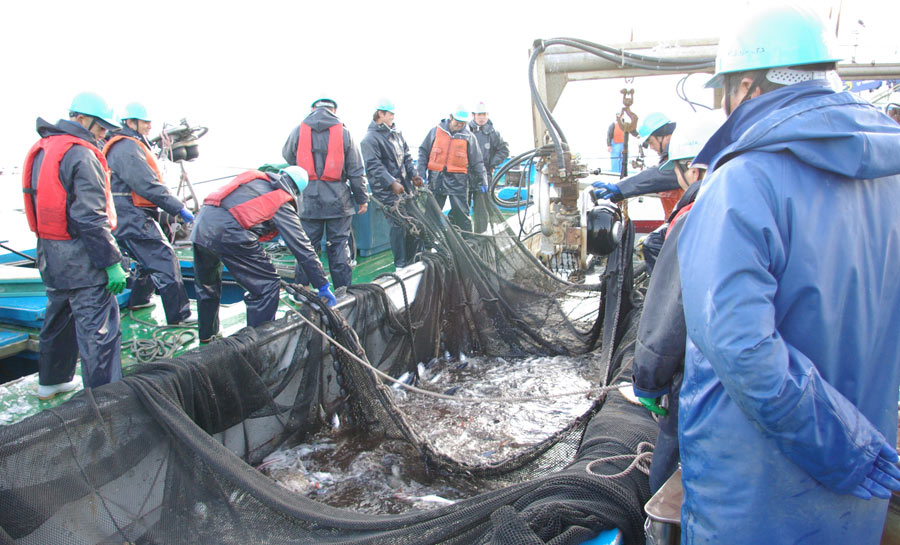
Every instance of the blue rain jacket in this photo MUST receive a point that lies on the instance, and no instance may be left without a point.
(790, 273)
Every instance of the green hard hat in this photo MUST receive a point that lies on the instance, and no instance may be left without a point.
(93, 105)
(691, 136)
(461, 113)
(323, 98)
(651, 123)
(298, 175)
(775, 37)
(385, 105)
(134, 110)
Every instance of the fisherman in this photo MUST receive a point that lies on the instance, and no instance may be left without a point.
(893, 110)
(659, 352)
(69, 207)
(322, 145)
(494, 149)
(253, 208)
(452, 159)
(391, 173)
(615, 145)
(138, 193)
(788, 260)
(656, 130)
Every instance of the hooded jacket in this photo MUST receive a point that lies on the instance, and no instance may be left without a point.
(387, 160)
(788, 264)
(321, 199)
(216, 228)
(131, 172)
(494, 149)
(79, 262)
(451, 183)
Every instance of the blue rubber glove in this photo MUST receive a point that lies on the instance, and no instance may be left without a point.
(607, 191)
(115, 275)
(186, 215)
(326, 293)
(652, 405)
(882, 478)
(483, 188)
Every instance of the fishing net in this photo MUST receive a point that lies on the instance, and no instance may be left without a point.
(168, 454)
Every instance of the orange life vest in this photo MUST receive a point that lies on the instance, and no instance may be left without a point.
(256, 210)
(669, 199)
(136, 199)
(45, 207)
(448, 152)
(618, 134)
(334, 160)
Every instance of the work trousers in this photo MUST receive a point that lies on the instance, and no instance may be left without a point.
(337, 236)
(403, 245)
(250, 267)
(157, 268)
(459, 209)
(85, 321)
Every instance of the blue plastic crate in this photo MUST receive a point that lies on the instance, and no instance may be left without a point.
(372, 230)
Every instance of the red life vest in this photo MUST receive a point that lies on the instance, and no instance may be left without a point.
(136, 199)
(334, 160)
(448, 152)
(677, 217)
(256, 210)
(46, 211)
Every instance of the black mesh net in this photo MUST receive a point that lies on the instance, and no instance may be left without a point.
(168, 454)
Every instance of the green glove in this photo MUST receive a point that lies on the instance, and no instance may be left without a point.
(652, 405)
(116, 275)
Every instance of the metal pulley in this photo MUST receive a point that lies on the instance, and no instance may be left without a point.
(604, 229)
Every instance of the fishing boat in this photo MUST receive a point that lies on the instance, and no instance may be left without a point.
(168, 454)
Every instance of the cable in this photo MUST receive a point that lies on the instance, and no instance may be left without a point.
(618, 56)
(680, 92)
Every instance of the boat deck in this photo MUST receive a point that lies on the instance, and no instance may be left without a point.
(140, 328)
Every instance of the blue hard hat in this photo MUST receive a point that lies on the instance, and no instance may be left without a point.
(298, 175)
(461, 113)
(93, 105)
(651, 123)
(775, 37)
(385, 105)
(134, 110)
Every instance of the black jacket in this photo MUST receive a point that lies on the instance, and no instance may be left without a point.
(131, 172)
(494, 149)
(215, 224)
(79, 262)
(387, 160)
(452, 183)
(651, 180)
(322, 200)
(659, 352)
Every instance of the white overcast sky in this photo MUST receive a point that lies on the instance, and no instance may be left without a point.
(248, 70)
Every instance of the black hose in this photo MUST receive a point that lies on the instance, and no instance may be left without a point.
(619, 56)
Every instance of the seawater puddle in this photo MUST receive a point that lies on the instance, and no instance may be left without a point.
(383, 476)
